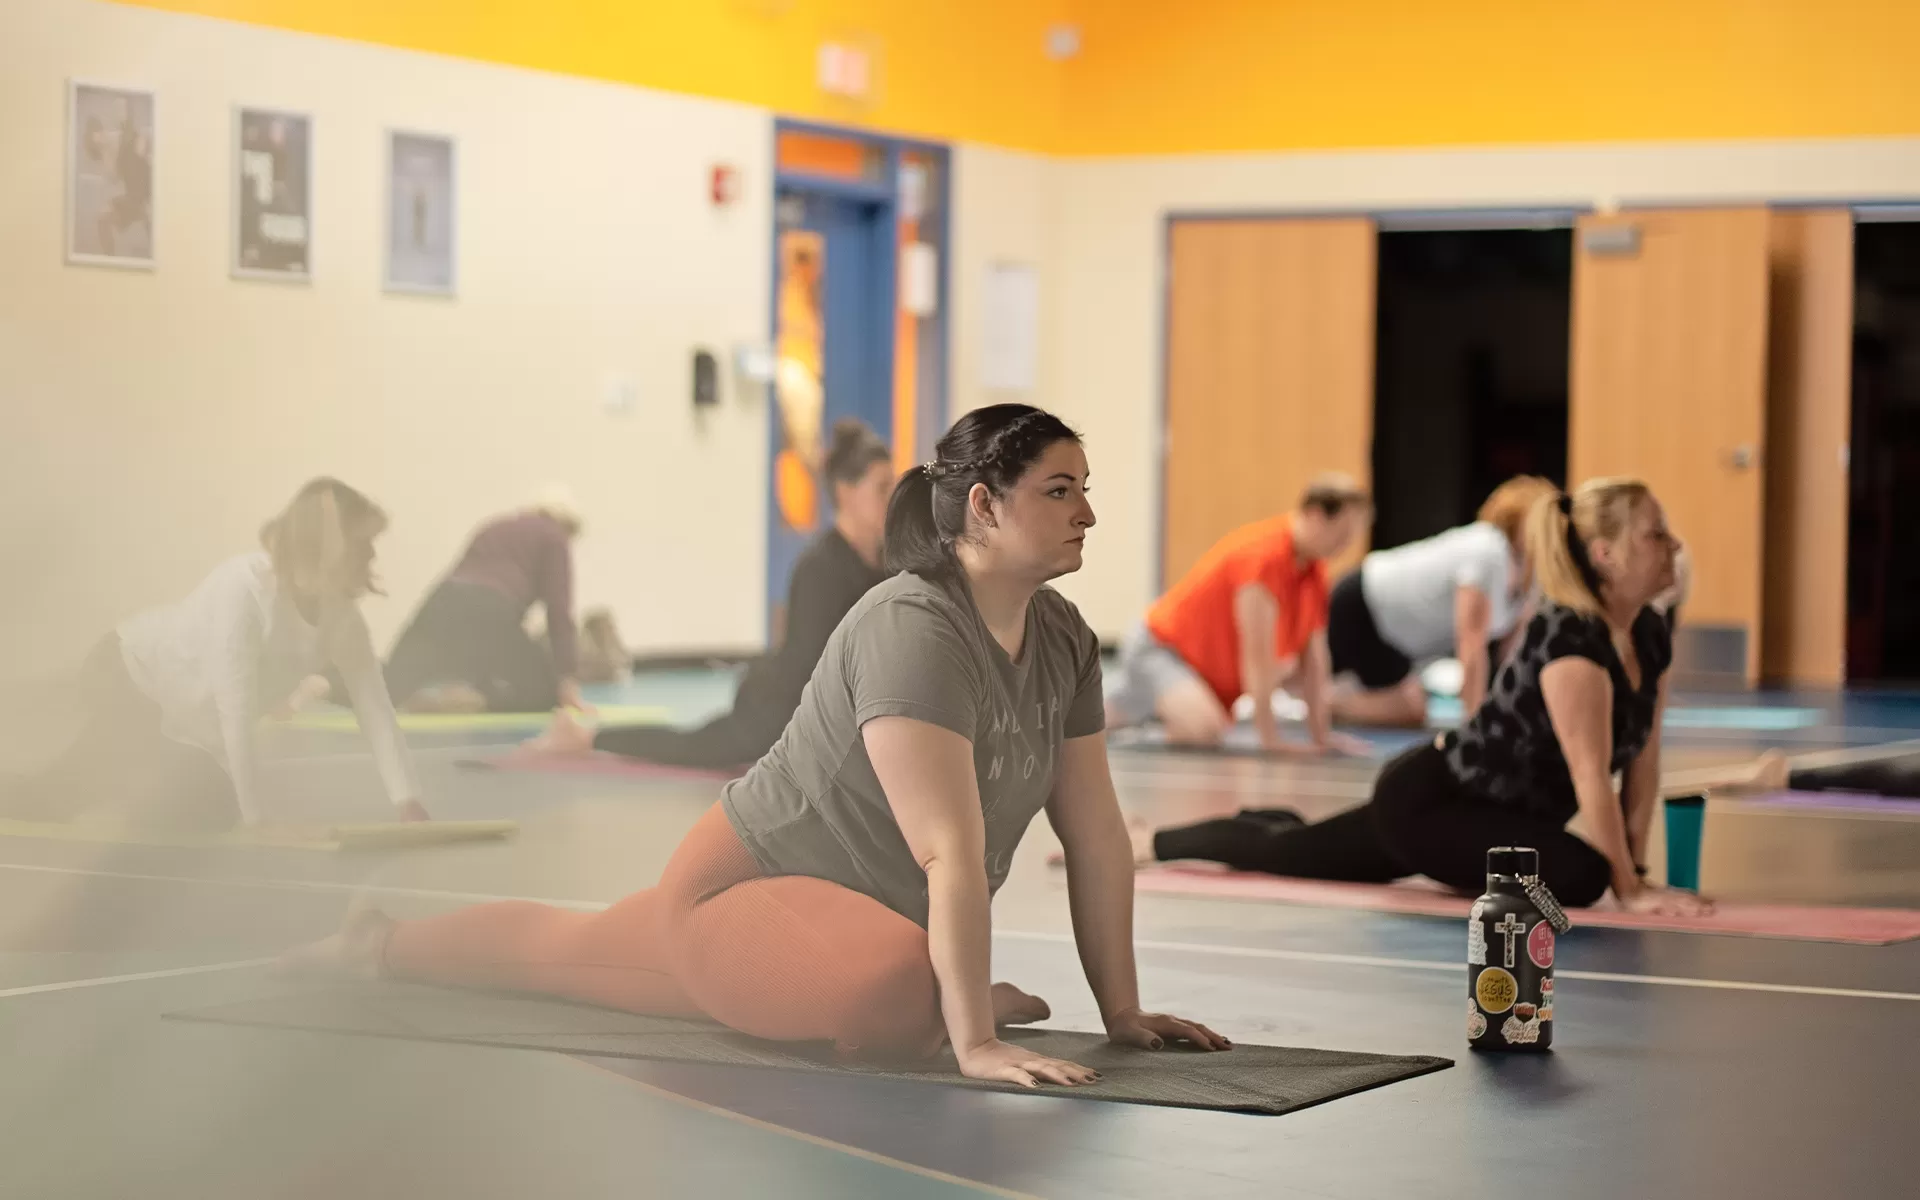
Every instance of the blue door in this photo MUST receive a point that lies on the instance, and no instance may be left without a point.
(833, 339)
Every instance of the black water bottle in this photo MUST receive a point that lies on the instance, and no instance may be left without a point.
(1510, 943)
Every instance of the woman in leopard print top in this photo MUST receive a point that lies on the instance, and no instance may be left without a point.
(1577, 703)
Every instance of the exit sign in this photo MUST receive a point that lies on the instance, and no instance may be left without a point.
(845, 70)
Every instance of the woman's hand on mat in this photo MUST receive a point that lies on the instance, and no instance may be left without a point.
(996, 1059)
(1152, 1031)
(1651, 901)
(1346, 744)
(1337, 744)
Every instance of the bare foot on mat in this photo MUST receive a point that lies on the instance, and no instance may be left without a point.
(565, 734)
(1141, 835)
(356, 952)
(1771, 773)
(1011, 1006)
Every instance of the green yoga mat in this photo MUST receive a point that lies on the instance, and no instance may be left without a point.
(341, 720)
(1248, 1079)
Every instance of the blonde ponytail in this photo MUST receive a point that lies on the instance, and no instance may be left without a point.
(1561, 527)
(322, 543)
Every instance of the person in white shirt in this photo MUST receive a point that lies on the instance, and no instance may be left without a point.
(1458, 592)
(175, 693)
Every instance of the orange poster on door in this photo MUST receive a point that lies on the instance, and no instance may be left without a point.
(799, 384)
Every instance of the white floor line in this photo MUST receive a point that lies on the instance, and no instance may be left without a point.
(1314, 956)
(308, 885)
(136, 977)
(1416, 964)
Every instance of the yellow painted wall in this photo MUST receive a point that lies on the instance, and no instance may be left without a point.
(964, 70)
(1228, 75)
(1215, 75)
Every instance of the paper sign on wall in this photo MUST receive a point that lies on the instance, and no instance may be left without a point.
(1010, 341)
(919, 279)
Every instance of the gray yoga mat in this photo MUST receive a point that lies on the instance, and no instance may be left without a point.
(1247, 1079)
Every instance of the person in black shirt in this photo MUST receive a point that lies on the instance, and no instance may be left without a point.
(1579, 701)
(838, 568)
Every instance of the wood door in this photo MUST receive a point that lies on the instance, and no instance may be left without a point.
(1809, 425)
(1269, 371)
(1669, 385)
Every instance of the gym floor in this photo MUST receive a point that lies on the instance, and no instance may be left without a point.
(1683, 1064)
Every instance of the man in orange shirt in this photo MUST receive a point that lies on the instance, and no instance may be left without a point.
(1248, 618)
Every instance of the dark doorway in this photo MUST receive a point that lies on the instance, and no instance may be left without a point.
(1471, 371)
(1883, 568)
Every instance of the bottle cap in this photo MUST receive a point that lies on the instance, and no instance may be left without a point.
(1513, 860)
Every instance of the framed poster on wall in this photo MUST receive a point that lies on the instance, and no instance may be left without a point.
(420, 214)
(110, 156)
(273, 195)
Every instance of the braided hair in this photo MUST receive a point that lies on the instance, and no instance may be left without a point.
(993, 446)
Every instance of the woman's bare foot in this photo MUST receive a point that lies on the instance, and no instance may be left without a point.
(413, 810)
(1141, 835)
(1011, 1006)
(1771, 772)
(565, 734)
(358, 951)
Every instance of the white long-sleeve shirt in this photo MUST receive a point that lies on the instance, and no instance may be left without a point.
(237, 642)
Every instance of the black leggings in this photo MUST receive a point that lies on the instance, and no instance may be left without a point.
(1888, 777)
(1419, 822)
(123, 765)
(468, 633)
(733, 739)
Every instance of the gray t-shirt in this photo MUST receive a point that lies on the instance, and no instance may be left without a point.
(1409, 589)
(917, 648)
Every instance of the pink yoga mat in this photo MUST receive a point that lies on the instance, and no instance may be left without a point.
(1857, 926)
(597, 762)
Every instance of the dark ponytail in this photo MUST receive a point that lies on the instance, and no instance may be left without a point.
(994, 446)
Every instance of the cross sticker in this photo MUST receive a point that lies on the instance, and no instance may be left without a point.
(1512, 926)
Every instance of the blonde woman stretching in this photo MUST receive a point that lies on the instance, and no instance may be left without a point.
(174, 694)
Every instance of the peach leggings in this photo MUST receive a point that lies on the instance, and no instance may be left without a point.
(788, 958)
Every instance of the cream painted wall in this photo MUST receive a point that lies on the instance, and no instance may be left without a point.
(1105, 316)
(1004, 211)
(152, 420)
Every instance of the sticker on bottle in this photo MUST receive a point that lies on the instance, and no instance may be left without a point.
(1519, 1032)
(1495, 990)
(1476, 936)
(1540, 945)
(1510, 928)
(1476, 1023)
(1546, 999)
